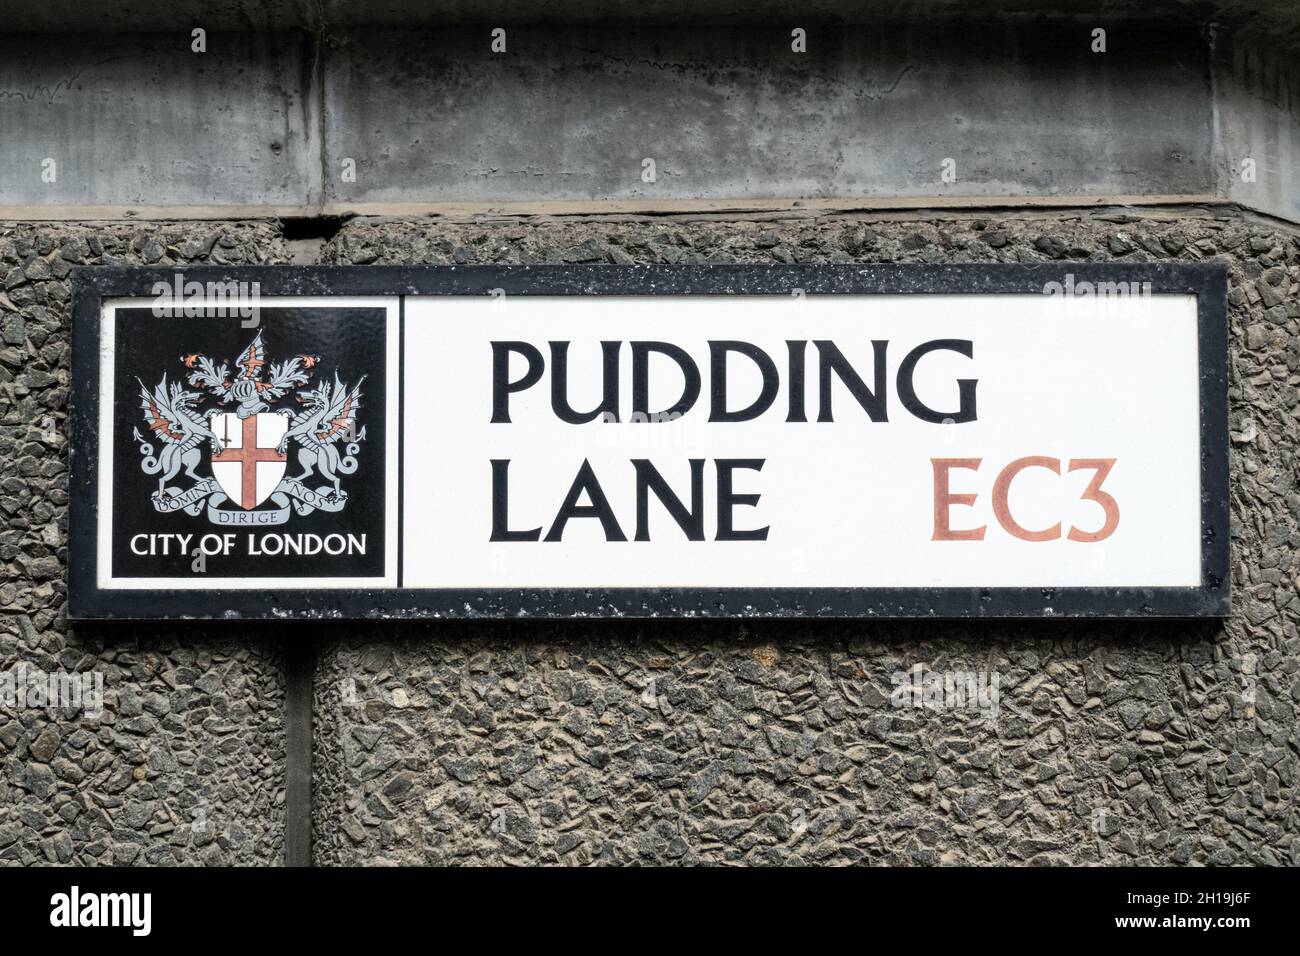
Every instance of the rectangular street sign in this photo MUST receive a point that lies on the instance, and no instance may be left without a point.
(650, 441)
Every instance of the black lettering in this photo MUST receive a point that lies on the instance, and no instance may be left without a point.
(727, 500)
(965, 386)
(648, 479)
(796, 350)
(608, 407)
(718, 352)
(501, 506)
(501, 386)
(641, 380)
(599, 507)
(831, 359)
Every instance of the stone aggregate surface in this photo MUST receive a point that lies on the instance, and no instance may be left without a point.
(664, 742)
(185, 765)
(776, 742)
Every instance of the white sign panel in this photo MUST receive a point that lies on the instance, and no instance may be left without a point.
(992, 441)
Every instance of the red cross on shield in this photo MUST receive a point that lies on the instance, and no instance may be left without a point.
(248, 467)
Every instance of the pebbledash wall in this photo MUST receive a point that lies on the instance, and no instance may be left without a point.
(186, 762)
(665, 742)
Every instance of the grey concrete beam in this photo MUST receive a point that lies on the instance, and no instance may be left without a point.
(725, 112)
(1257, 136)
(1278, 19)
(142, 120)
(263, 123)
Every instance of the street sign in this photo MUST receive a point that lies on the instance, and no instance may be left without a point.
(663, 441)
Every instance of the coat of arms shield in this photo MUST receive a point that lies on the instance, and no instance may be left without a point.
(248, 467)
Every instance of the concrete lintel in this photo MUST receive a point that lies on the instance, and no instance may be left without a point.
(592, 207)
(265, 126)
(1269, 17)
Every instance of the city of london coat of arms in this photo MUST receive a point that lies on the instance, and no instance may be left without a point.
(275, 442)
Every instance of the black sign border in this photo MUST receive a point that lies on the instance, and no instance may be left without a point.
(1207, 281)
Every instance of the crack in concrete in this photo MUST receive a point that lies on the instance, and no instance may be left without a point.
(892, 86)
(51, 93)
(661, 65)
